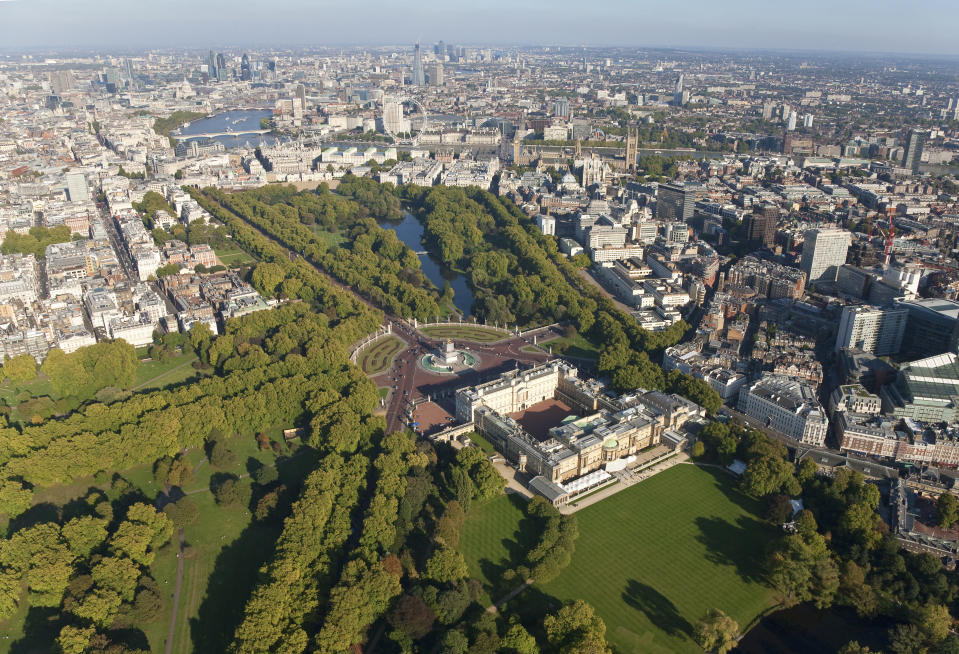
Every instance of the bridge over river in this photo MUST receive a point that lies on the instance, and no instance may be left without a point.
(210, 135)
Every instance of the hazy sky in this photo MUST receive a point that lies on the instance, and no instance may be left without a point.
(920, 26)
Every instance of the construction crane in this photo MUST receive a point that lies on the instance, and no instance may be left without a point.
(887, 252)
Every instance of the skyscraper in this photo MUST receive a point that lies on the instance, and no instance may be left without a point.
(807, 120)
(419, 75)
(791, 121)
(760, 226)
(914, 144)
(436, 74)
(824, 250)
(676, 201)
(678, 96)
(245, 69)
(561, 108)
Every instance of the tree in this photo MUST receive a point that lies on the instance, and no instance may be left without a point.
(412, 616)
(10, 591)
(947, 510)
(14, 498)
(698, 450)
(446, 566)
(232, 492)
(576, 629)
(183, 512)
(265, 475)
(221, 456)
(717, 632)
(519, 640)
(84, 534)
(853, 647)
(19, 369)
(934, 622)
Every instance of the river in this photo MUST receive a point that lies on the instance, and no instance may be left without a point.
(410, 231)
(230, 120)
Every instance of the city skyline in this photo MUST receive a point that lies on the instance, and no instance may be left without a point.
(744, 25)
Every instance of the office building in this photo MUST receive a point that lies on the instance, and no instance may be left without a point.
(419, 75)
(913, 152)
(678, 95)
(878, 331)
(823, 252)
(932, 326)
(676, 201)
(787, 405)
(561, 108)
(77, 187)
(926, 390)
(807, 121)
(760, 226)
(436, 74)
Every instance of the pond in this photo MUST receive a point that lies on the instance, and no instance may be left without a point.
(410, 231)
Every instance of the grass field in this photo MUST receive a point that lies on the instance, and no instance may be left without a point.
(233, 257)
(576, 346)
(651, 559)
(376, 358)
(332, 240)
(477, 334)
(153, 374)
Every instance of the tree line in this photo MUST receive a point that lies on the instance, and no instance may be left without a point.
(372, 260)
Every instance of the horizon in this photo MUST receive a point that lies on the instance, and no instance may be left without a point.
(879, 28)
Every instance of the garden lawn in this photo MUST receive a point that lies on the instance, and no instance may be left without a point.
(576, 346)
(233, 257)
(376, 358)
(653, 558)
(153, 374)
(478, 333)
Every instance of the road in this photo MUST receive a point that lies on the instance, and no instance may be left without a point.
(412, 381)
(176, 594)
(404, 371)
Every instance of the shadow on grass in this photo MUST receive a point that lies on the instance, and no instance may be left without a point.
(40, 632)
(230, 585)
(236, 570)
(657, 607)
(734, 545)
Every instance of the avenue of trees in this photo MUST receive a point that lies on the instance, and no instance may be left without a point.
(371, 260)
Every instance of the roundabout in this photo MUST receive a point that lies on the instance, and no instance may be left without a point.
(448, 360)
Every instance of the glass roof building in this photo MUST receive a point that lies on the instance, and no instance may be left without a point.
(926, 390)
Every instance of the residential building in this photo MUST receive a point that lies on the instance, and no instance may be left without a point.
(870, 329)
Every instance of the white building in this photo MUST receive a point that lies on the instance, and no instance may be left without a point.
(787, 405)
(870, 329)
(824, 250)
(547, 224)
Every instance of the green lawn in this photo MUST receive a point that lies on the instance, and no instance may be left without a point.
(153, 374)
(576, 346)
(332, 240)
(490, 541)
(651, 559)
(376, 358)
(477, 333)
(233, 257)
